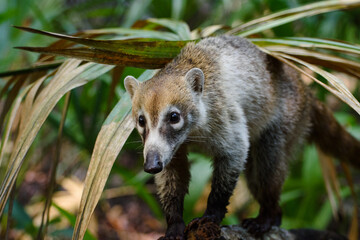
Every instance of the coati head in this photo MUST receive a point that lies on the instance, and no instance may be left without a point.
(166, 109)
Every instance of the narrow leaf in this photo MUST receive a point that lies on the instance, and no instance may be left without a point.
(9, 122)
(51, 184)
(286, 16)
(31, 69)
(331, 181)
(135, 11)
(177, 8)
(354, 228)
(321, 59)
(12, 89)
(105, 57)
(139, 184)
(113, 134)
(308, 43)
(69, 76)
(340, 89)
(178, 27)
(71, 218)
(145, 47)
(136, 33)
(199, 33)
(115, 79)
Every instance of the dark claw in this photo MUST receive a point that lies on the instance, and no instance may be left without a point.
(262, 223)
(172, 238)
(174, 232)
(196, 222)
(257, 226)
(206, 227)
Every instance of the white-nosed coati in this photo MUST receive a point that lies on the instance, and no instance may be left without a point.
(249, 110)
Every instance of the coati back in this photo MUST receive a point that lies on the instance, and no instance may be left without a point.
(247, 109)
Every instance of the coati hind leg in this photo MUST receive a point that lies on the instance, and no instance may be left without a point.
(172, 184)
(265, 172)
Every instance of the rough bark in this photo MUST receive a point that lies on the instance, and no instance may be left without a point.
(210, 231)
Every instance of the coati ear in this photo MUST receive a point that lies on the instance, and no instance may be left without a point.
(195, 77)
(131, 84)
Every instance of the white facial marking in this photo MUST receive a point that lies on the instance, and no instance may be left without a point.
(155, 140)
(180, 124)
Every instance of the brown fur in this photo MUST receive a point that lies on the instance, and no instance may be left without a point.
(251, 112)
(331, 137)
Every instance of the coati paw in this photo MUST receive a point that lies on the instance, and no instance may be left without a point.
(263, 223)
(255, 228)
(258, 226)
(172, 238)
(197, 222)
(174, 232)
(203, 228)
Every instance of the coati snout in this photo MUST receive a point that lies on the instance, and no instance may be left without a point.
(153, 162)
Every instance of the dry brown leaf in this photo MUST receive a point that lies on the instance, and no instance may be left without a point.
(68, 76)
(331, 181)
(111, 138)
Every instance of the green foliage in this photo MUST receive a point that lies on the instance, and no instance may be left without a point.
(301, 192)
(138, 182)
(200, 175)
(91, 129)
(303, 201)
(72, 219)
(21, 218)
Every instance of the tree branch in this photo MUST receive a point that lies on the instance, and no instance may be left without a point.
(211, 231)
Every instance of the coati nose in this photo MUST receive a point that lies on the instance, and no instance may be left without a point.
(152, 162)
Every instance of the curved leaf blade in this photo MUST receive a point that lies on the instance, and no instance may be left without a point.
(113, 134)
(321, 59)
(178, 27)
(142, 47)
(69, 76)
(105, 56)
(308, 43)
(337, 87)
(136, 33)
(286, 16)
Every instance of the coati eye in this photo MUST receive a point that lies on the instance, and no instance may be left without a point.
(142, 121)
(174, 117)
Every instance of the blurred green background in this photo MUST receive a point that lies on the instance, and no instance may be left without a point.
(129, 209)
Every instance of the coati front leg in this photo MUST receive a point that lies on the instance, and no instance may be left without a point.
(229, 160)
(227, 169)
(172, 184)
(225, 176)
(265, 172)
